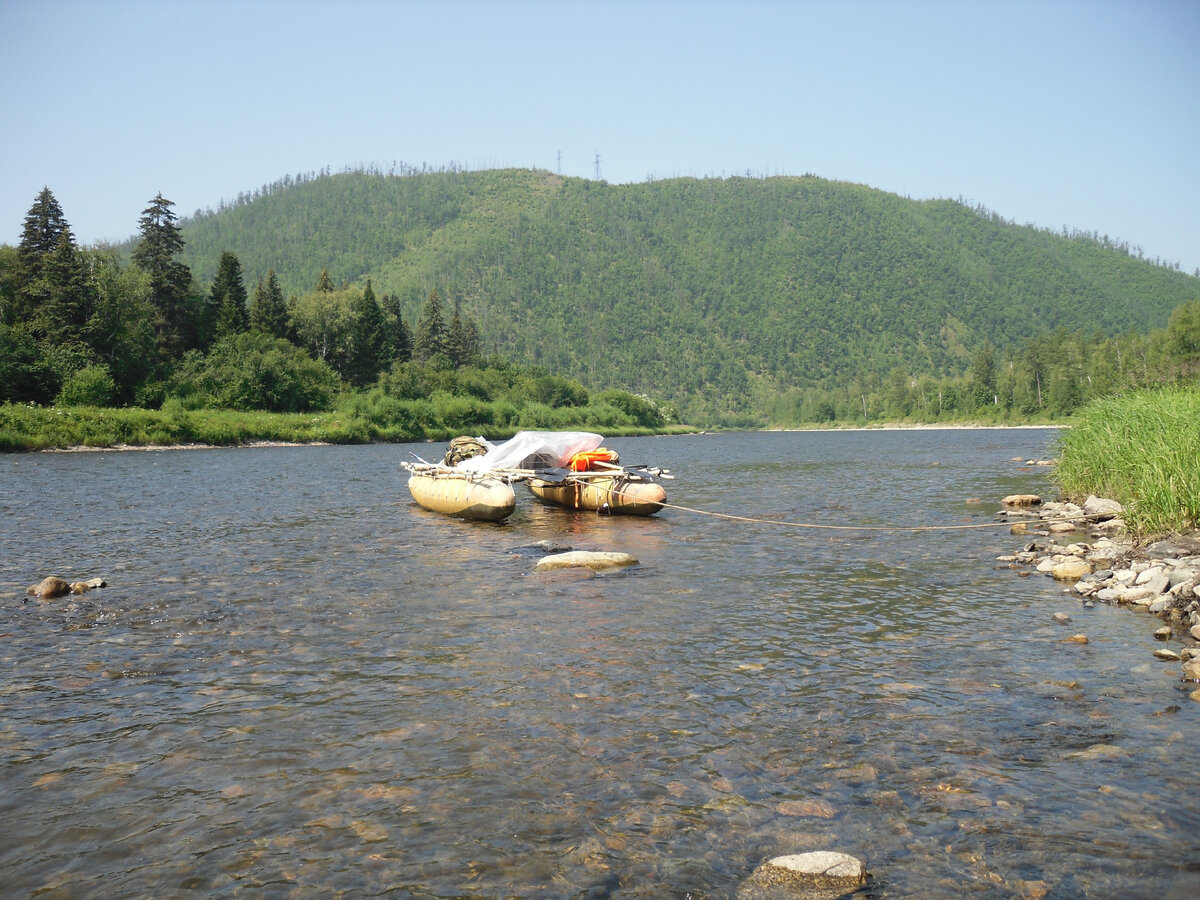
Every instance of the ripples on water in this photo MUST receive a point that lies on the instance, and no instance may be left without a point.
(299, 683)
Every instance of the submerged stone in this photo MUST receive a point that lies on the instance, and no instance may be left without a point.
(819, 875)
(590, 559)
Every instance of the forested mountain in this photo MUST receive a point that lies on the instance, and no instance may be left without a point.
(716, 294)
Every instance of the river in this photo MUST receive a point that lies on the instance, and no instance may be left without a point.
(298, 683)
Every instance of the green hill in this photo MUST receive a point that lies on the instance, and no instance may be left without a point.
(715, 294)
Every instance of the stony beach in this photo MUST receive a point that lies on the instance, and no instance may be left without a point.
(1087, 549)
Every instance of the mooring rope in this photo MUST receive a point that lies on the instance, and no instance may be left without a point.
(816, 525)
(885, 528)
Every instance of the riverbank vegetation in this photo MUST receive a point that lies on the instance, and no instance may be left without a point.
(1143, 450)
(357, 418)
(501, 294)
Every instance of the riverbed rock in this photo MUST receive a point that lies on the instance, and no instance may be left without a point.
(1155, 578)
(1071, 570)
(1167, 654)
(590, 559)
(1021, 501)
(1194, 631)
(1076, 639)
(819, 875)
(1101, 508)
(1191, 670)
(1061, 618)
(49, 588)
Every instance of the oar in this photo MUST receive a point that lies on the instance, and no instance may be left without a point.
(552, 476)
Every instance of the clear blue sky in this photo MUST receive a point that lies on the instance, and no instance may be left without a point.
(1084, 114)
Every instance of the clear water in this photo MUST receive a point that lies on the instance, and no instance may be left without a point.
(298, 683)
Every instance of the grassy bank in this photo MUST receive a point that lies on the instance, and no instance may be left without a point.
(358, 420)
(1142, 449)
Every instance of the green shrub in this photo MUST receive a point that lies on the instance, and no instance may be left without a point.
(90, 386)
(641, 410)
(256, 371)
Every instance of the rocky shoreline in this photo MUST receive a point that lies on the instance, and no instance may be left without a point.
(1086, 548)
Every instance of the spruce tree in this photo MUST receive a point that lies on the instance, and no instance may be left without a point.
(431, 330)
(170, 280)
(69, 295)
(325, 283)
(398, 344)
(366, 340)
(44, 225)
(225, 311)
(268, 311)
(40, 237)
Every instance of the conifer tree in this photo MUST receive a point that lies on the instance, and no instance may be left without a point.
(44, 225)
(325, 283)
(225, 311)
(398, 346)
(170, 280)
(40, 237)
(366, 340)
(68, 295)
(462, 340)
(268, 311)
(431, 330)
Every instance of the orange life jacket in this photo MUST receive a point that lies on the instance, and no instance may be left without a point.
(582, 461)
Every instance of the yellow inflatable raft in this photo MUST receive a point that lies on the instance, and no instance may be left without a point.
(619, 493)
(468, 495)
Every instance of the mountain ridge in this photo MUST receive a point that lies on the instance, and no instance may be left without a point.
(709, 292)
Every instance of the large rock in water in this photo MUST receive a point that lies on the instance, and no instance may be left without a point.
(821, 875)
(53, 586)
(1019, 501)
(1071, 570)
(590, 559)
(48, 588)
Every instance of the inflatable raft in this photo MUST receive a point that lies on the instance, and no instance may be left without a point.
(620, 493)
(564, 468)
(468, 495)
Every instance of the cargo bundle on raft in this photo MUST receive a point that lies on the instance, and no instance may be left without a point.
(563, 468)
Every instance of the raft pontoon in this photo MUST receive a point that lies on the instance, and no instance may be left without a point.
(561, 468)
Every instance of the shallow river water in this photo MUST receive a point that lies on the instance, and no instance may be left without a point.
(298, 683)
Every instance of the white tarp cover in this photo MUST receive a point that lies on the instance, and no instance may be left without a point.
(534, 450)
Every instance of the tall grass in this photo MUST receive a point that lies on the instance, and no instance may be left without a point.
(1143, 450)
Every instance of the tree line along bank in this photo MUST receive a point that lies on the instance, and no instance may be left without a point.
(79, 327)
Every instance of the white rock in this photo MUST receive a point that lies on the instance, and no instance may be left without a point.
(586, 558)
(1099, 506)
(1155, 578)
(822, 864)
(1124, 576)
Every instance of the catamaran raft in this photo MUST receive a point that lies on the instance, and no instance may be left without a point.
(562, 468)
